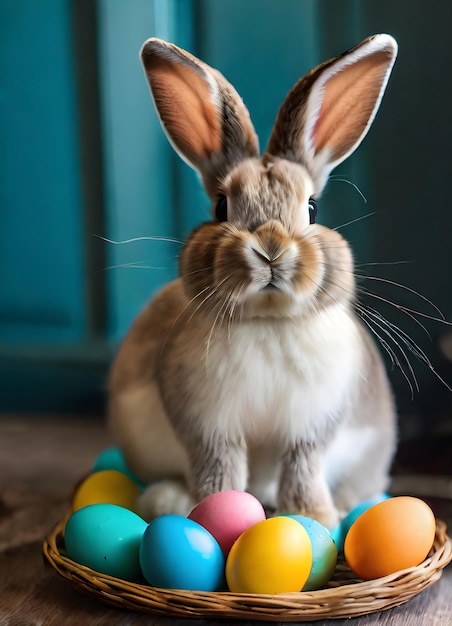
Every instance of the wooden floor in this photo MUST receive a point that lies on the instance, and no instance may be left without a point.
(41, 458)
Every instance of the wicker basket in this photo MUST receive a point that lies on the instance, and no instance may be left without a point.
(344, 597)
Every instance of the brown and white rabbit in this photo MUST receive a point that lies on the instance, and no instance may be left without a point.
(252, 371)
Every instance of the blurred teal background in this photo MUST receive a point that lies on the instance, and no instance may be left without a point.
(83, 159)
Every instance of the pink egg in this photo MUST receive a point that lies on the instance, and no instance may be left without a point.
(227, 514)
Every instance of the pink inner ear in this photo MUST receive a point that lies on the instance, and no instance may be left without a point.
(350, 97)
(187, 110)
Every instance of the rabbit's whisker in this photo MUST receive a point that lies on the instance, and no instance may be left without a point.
(186, 307)
(392, 332)
(357, 219)
(407, 313)
(408, 341)
(135, 239)
(137, 265)
(327, 245)
(359, 265)
(405, 309)
(200, 270)
(370, 323)
(215, 322)
(321, 287)
(213, 291)
(413, 291)
(234, 302)
(227, 308)
(340, 179)
(374, 319)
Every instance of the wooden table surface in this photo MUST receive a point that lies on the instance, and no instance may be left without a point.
(41, 458)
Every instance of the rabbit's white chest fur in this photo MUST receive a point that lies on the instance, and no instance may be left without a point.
(281, 379)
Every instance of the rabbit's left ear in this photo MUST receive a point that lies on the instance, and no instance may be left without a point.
(327, 114)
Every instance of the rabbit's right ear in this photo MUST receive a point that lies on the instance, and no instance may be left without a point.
(202, 114)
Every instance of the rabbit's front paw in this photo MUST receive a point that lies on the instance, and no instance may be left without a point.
(326, 513)
(328, 517)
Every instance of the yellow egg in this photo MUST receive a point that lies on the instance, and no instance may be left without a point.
(273, 556)
(390, 536)
(107, 487)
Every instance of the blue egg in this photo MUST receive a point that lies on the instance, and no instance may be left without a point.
(178, 553)
(340, 532)
(324, 552)
(113, 459)
(106, 538)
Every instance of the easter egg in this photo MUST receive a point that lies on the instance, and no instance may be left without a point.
(106, 538)
(340, 531)
(324, 552)
(178, 553)
(107, 487)
(390, 536)
(227, 514)
(273, 556)
(113, 459)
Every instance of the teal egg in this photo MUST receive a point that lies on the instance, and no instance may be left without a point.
(106, 538)
(340, 532)
(178, 553)
(113, 459)
(337, 535)
(324, 552)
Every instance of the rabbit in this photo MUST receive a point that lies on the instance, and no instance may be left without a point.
(252, 371)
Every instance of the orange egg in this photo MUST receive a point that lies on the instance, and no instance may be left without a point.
(393, 535)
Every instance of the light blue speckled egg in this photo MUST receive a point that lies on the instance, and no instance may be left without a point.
(324, 552)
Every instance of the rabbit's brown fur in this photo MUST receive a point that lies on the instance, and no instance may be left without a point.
(252, 370)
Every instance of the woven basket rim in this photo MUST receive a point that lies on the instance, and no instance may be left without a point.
(338, 600)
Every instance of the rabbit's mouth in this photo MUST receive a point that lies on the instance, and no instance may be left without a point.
(271, 287)
(275, 302)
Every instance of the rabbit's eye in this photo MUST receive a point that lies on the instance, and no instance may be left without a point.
(221, 210)
(312, 211)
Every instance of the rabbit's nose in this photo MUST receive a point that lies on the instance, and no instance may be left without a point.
(272, 240)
